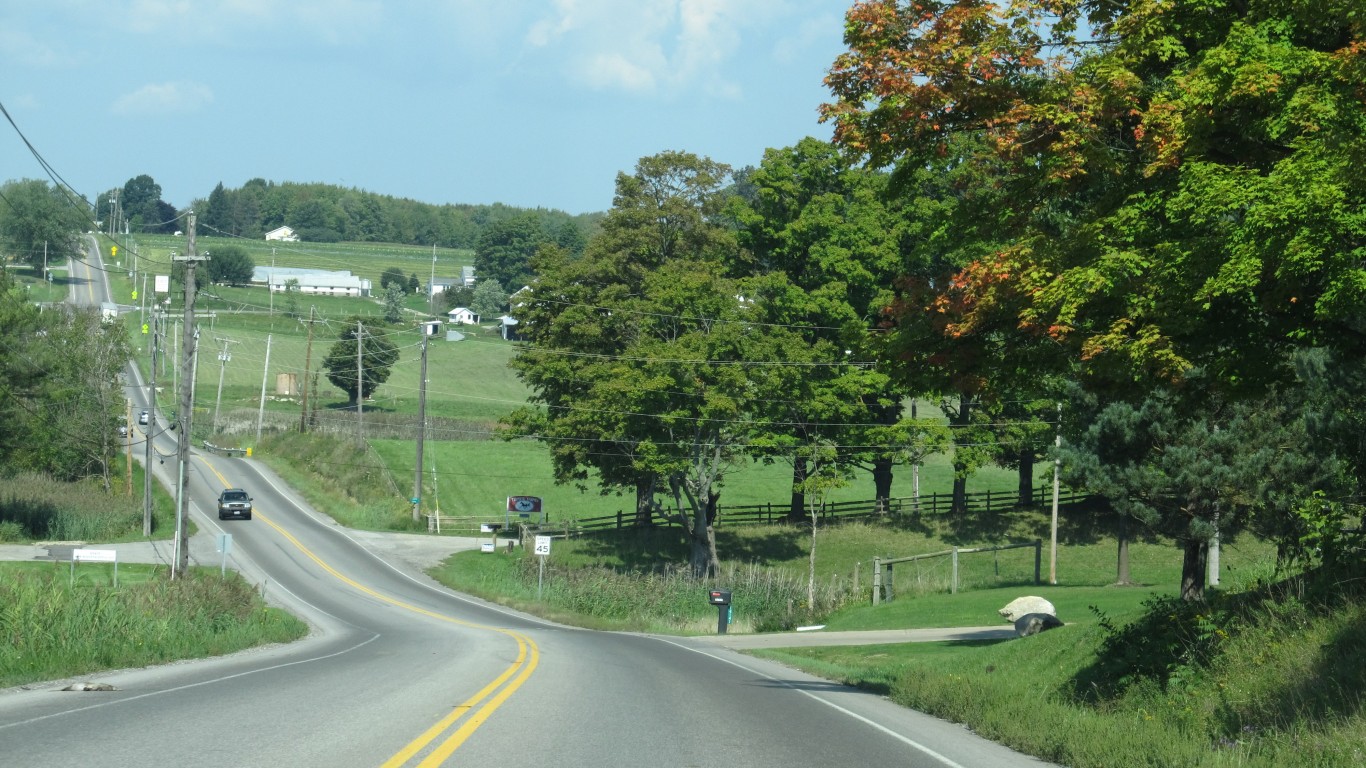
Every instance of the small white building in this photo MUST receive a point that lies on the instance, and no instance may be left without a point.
(282, 233)
(463, 316)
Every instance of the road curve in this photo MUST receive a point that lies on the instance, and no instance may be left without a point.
(401, 672)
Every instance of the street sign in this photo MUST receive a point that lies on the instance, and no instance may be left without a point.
(542, 545)
(94, 555)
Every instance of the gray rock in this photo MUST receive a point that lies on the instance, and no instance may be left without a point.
(1021, 606)
(1034, 623)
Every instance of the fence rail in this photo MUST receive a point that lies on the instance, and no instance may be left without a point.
(884, 587)
(767, 514)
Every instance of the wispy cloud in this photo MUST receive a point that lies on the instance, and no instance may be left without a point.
(23, 50)
(163, 99)
(646, 45)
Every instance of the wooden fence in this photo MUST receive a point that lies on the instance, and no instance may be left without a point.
(884, 585)
(768, 514)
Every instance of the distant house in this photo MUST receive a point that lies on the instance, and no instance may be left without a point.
(467, 275)
(282, 233)
(441, 285)
(509, 328)
(463, 316)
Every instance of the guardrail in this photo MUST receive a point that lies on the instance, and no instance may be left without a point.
(221, 451)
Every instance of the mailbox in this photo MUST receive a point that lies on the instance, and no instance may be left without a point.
(719, 597)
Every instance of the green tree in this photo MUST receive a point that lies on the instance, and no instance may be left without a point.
(505, 249)
(656, 393)
(59, 388)
(37, 219)
(391, 276)
(393, 303)
(1191, 473)
(375, 355)
(1183, 196)
(828, 229)
(230, 264)
(489, 298)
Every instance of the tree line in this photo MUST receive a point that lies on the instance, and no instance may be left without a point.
(317, 212)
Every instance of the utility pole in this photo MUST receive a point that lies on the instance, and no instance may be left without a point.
(308, 362)
(224, 357)
(1053, 533)
(190, 338)
(431, 286)
(427, 330)
(360, 389)
(149, 434)
(265, 374)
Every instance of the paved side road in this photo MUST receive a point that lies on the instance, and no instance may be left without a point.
(413, 551)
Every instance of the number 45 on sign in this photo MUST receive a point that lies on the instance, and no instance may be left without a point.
(542, 545)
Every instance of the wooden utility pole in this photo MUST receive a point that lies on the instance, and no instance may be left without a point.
(360, 389)
(427, 330)
(189, 340)
(308, 362)
(265, 375)
(224, 357)
(149, 434)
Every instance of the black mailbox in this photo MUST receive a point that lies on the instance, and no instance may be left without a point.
(719, 597)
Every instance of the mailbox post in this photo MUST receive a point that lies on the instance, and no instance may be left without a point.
(721, 599)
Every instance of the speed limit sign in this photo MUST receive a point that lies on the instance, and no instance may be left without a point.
(542, 545)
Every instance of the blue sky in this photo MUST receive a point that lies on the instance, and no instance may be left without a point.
(535, 103)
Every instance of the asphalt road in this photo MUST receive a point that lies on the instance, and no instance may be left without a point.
(401, 672)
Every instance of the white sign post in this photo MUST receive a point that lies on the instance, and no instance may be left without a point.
(94, 556)
(543, 551)
(224, 546)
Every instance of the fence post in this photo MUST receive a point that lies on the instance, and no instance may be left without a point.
(877, 580)
(890, 581)
(1038, 560)
(857, 563)
(953, 585)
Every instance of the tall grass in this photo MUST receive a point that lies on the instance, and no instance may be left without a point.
(50, 629)
(35, 507)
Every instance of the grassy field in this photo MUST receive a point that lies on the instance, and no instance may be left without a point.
(368, 260)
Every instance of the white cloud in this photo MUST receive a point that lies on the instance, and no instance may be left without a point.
(22, 49)
(644, 45)
(163, 98)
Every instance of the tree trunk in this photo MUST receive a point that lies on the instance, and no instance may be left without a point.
(882, 483)
(796, 511)
(702, 538)
(1026, 478)
(1122, 568)
(1193, 565)
(645, 501)
(960, 479)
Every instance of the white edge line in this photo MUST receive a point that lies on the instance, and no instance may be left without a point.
(850, 713)
(188, 686)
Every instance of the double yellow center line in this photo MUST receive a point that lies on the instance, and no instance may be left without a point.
(471, 713)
